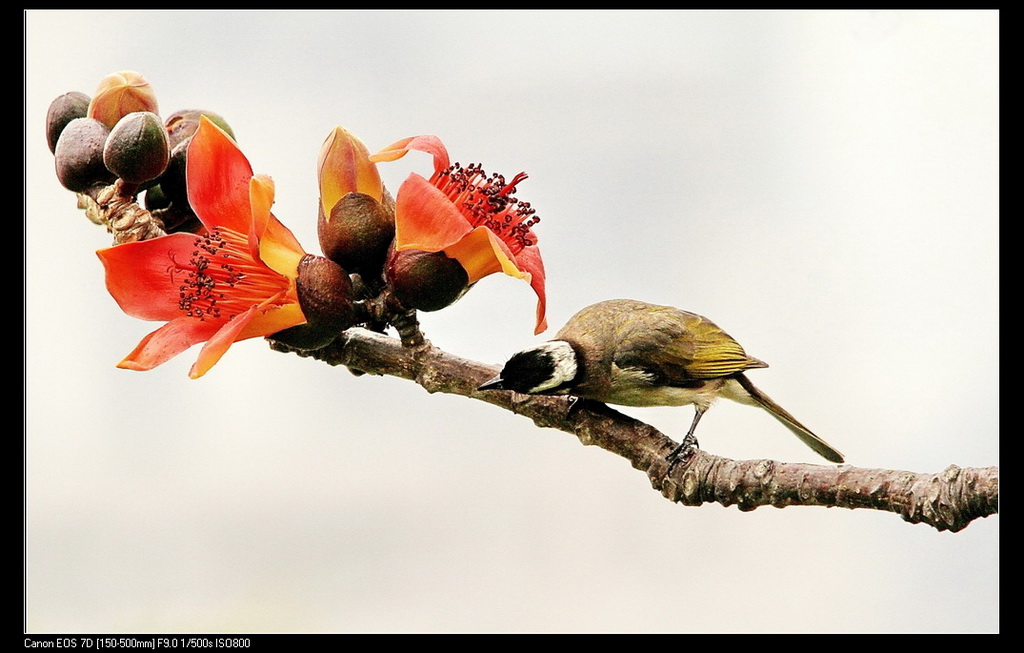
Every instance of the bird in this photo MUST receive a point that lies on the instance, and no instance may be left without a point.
(632, 353)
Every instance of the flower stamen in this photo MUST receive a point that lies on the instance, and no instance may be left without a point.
(222, 279)
(488, 201)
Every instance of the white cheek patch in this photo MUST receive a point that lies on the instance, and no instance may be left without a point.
(563, 364)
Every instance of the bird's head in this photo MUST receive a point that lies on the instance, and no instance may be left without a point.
(548, 368)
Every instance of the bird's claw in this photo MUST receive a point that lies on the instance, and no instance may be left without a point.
(682, 451)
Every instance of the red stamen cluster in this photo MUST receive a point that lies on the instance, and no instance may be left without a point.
(489, 202)
(221, 261)
(206, 279)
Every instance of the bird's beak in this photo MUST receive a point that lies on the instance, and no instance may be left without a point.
(497, 383)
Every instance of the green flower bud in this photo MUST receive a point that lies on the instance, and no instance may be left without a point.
(78, 155)
(325, 296)
(182, 124)
(137, 149)
(425, 281)
(357, 234)
(63, 110)
(156, 199)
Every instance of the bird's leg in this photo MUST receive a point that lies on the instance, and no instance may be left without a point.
(574, 405)
(579, 403)
(688, 442)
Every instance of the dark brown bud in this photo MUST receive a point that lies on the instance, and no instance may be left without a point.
(171, 194)
(176, 217)
(357, 234)
(172, 182)
(137, 149)
(425, 281)
(325, 296)
(63, 110)
(78, 155)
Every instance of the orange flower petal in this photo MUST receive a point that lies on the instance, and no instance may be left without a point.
(425, 218)
(432, 145)
(256, 322)
(529, 260)
(167, 342)
(261, 198)
(279, 249)
(219, 343)
(217, 175)
(345, 167)
(271, 318)
(482, 253)
(140, 276)
(270, 241)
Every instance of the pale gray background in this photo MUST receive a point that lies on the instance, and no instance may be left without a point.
(824, 185)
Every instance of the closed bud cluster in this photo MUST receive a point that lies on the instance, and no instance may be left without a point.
(118, 134)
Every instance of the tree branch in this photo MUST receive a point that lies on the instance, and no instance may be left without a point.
(949, 500)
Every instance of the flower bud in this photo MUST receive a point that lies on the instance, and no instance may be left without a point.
(63, 110)
(137, 149)
(344, 167)
(172, 182)
(119, 94)
(325, 296)
(169, 195)
(358, 233)
(182, 124)
(426, 281)
(176, 217)
(155, 199)
(78, 155)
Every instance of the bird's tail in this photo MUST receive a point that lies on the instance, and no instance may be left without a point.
(758, 398)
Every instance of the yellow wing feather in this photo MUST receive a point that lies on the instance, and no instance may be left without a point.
(687, 347)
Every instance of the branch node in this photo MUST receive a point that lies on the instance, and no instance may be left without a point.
(115, 207)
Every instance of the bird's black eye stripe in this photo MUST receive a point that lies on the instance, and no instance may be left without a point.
(528, 370)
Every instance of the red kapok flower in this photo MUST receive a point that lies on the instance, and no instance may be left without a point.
(470, 216)
(235, 280)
